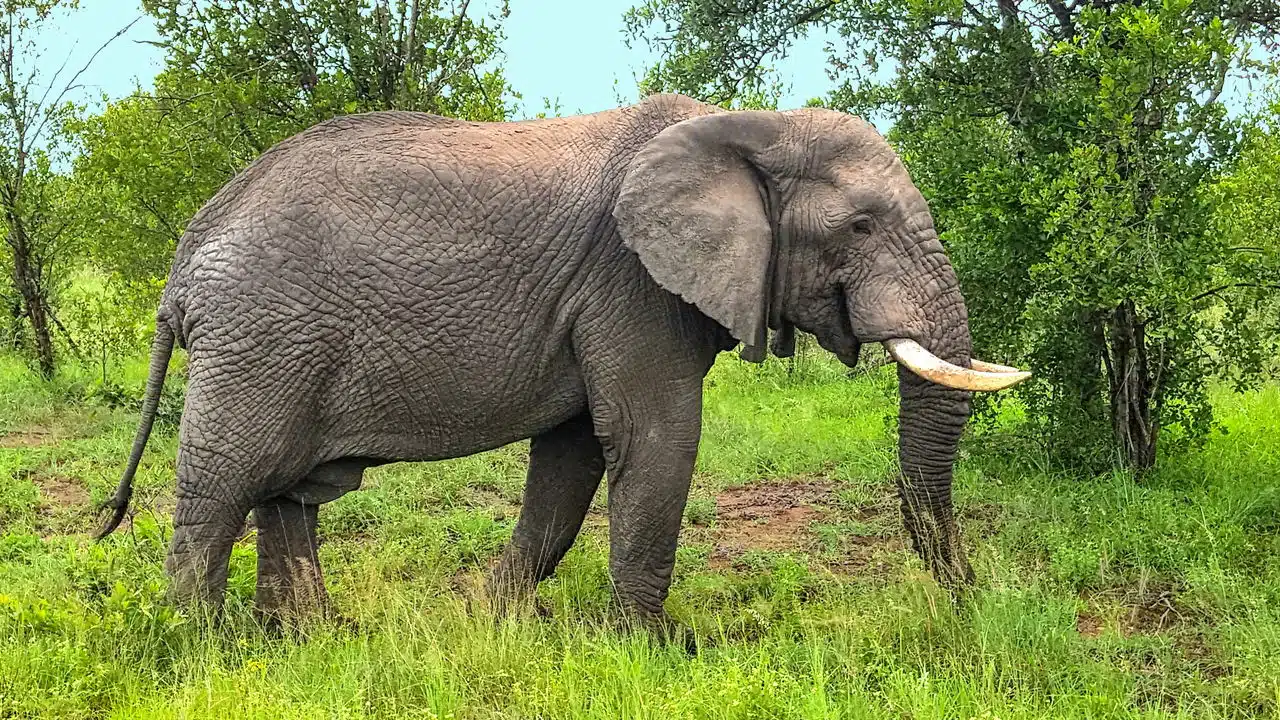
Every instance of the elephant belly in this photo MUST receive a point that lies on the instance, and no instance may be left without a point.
(437, 408)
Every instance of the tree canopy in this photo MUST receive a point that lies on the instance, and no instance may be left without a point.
(241, 76)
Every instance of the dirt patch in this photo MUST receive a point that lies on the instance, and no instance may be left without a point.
(1142, 610)
(63, 504)
(1089, 625)
(28, 438)
(804, 516)
(62, 492)
(1152, 612)
(767, 517)
(868, 555)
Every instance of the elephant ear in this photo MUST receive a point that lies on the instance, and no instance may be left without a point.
(693, 208)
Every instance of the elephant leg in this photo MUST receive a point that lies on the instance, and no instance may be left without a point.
(290, 583)
(565, 468)
(200, 551)
(229, 458)
(650, 447)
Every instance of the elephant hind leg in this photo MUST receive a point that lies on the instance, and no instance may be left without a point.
(227, 464)
(290, 581)
(199, 553)
(566, 465)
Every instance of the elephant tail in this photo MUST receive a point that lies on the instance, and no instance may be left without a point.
(161, 351)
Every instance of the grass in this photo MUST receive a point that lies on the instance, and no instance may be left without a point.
(1099, 597)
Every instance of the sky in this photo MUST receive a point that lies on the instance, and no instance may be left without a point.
(566, 50)
(570, 51)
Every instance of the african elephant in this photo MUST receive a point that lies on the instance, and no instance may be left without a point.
(396, 286)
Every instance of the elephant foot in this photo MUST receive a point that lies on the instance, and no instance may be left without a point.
(292, 601)
(506, 600)
(511, 588)
(662, 627)
(300, 623)
(197, 574)
(953, 573)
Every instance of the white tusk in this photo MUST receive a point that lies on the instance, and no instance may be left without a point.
(981, 378)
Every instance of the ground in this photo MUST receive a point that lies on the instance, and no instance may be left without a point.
(1097, 596)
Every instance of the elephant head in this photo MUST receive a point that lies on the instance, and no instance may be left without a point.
(807, 218)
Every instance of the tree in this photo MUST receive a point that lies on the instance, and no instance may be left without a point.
(34, 218)
(261, 70)
(1247, 214)
(1069, 150)
(145, 167)
(240, 76)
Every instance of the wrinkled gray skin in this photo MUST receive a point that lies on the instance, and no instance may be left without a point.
(401, 287)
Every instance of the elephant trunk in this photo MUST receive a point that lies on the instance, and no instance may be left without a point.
(931, 419)
(921, 319)
(936, 375)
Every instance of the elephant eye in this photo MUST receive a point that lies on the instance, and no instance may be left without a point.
(861, 225)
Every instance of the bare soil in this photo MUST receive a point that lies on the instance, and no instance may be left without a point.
(27, 438)
(785, 516)
(63, 504)
(1153, 611)
(60, 491)
(1089, 625)
(767, 517)
(1144, 610)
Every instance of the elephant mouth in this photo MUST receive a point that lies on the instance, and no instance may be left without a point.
(980, 376)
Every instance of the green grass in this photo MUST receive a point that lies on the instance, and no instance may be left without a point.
(1099, 597)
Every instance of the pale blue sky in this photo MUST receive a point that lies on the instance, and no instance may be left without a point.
(570, 50)
(567, 49)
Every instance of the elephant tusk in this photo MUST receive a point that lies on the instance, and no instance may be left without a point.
(984, 377)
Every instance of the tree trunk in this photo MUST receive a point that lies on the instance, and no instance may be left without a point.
(33, 303)
(26, 279)
(1131, 388)
(1093, 326)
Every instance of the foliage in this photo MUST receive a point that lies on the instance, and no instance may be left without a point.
(92, 313)
(302, 62)
(1247, 214)
(1069, 152)
(239, 77)
(42, 242)
(34, 218)
(144, 169)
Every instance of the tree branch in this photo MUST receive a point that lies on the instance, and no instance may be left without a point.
(71, 84)
(1066, 24)
(71, 343)
(444, 49)
(1230, 286)
(732, 86)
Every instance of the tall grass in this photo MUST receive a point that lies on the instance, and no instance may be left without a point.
(1098, 596)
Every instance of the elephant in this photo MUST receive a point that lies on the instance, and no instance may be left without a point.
(396, 286)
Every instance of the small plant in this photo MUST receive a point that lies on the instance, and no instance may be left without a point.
(109, 394)
(700, 511)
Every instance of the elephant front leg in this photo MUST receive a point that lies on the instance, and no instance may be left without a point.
(651, 456)
(565, 468)
(290, 584)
